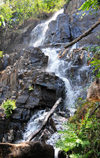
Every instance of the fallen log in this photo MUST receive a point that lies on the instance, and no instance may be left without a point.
(80, 37)
(45, 120)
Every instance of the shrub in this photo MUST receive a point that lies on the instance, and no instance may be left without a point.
(82, 137)
(8, 106)
(1, 54)
(95, 60)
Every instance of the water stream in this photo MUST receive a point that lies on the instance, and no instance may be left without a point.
(60, 68)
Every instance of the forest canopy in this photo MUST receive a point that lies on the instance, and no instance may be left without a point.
(13, 11)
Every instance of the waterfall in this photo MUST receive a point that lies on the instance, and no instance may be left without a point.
(54, 64)
(59, 67)
(40, 30)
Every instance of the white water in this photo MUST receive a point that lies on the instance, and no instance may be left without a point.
(40, 30)
(34, 123)
(59, 67)
(56, 66)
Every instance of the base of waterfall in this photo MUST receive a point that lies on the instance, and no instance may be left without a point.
(29, 150)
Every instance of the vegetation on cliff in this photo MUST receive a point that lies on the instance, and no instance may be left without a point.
(81, 138)
(12, 11)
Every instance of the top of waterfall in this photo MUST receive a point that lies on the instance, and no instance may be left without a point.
(39, 39)
(54, 17)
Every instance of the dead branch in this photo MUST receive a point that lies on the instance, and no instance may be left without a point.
(45, 120)
(80, 37)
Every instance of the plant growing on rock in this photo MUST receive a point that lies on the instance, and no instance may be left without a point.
(95, 60)
(1, 54)
(90, 4)
(8, 106)
(31, 88)
(81, 139)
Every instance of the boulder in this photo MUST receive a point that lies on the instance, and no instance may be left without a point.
(94, 91)
(27, 149)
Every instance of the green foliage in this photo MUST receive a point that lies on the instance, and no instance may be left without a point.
(82, 139)
(95, 61)
(31, 88)
(2, 22)
(1, 54)
(89, 4)
(8, 106)
(96, 64)
(13, 11)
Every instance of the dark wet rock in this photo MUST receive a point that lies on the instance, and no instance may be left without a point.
(22, 99)
(81, 24)
(73, 6)
(32, 102)
(26, 81)
(3, 127)
(2, 113)
(16, 38)
(58, 31)
(17, 115)
(4, 62)
(61, 154)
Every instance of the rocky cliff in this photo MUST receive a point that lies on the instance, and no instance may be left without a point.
(23, 74)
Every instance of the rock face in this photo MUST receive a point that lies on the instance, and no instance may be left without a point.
(28, 150)
(17, 38)
(22, 72)
(94, 91)
(73, 6)
(58, 30)
(25, 80)
(81, 24)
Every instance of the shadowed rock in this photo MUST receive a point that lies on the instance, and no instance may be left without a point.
(26, 150)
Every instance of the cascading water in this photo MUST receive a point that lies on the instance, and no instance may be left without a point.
(58, 66)
(38, 34)
(55, 64)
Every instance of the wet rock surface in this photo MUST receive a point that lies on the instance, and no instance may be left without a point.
(58, 30)
(26, 81)
(79, 24)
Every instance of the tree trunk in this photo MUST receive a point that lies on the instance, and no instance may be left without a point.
(80, 37)
(45, 120)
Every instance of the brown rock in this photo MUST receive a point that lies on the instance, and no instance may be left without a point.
(27, 149)
(94, 91)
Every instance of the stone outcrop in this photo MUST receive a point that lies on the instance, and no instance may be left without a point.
(58, 30)
(94, 91)
(25, 80)
(28, 150)
(79, 24)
